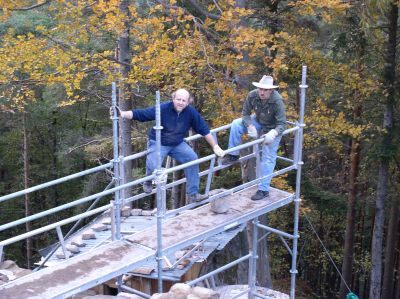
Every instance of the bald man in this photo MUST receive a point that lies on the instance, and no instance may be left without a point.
(177, 117)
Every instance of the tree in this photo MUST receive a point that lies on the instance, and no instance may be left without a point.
(388, 77)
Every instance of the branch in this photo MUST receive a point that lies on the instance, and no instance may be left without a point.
(196, 5)
(32, 7)
(111, 58)
(86, 144)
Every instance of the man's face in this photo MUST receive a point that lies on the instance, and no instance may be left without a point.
(264, 94)
(180, 100)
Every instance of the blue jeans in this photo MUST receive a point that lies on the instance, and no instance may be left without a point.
(269, 151)
(182, 153)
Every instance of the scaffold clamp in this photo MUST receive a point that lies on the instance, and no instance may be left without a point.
(161, 176)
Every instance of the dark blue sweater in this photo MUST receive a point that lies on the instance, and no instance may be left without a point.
(175, 126)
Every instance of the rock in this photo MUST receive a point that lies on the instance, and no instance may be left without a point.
(78, 242)
(128, 295)
(106, 221)
(126, 211)
(180, 291)
(136, 212)
(72, 248)
(89, 234)
(162, 296)
(3, 279)
(8, 264)
(204, 293)
(220, 205)
(99, 227)
(9, 275)
(60, 255)
(147, 213)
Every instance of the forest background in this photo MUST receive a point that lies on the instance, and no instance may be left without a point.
(58, 59)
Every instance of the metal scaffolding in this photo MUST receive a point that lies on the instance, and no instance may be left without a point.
(162, 185)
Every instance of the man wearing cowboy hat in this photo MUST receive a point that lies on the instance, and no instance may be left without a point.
(269, 118)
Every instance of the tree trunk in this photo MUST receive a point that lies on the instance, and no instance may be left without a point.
(389, 274)
(347, 265)
(125, 103)
(28, 227)
(389, 81)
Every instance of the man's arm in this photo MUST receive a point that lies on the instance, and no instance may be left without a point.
(142, 115)
(246, 111)
(210, 139)
(127, 114)
(217, 150)
(280, 117)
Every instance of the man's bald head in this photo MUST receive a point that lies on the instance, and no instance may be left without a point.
(181, 99)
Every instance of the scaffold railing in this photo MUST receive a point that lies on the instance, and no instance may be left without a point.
(116, 186)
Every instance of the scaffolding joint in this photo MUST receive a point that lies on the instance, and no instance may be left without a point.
(303, 86)
(161, 176)
(293, 271)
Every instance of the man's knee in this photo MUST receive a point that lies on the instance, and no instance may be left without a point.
(191, 156)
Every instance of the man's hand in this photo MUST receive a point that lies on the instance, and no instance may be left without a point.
(116, 109)
(218, 151)
(252, 131)
(270, 136)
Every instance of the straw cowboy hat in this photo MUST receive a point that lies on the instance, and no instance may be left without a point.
(266, 82)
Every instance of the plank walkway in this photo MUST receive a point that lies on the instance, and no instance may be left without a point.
(111, 260)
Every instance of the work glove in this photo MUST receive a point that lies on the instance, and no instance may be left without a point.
(218, 151)
(270, 136)
(252, 131)
(116, 109)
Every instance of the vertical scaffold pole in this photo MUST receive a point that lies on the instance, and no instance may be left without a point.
(253, 259)
(116, 164)
(160, 192)
(297, 200)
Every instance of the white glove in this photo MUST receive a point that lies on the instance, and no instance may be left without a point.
(252, 131)
(218, 151)
(270, 136)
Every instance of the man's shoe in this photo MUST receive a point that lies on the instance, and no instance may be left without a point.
(229, 159)
(260, 195)
(195, 198)
(147, 187)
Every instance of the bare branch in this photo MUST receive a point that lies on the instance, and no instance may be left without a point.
(86, 144)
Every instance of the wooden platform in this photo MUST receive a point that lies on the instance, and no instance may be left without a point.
(95, 267)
